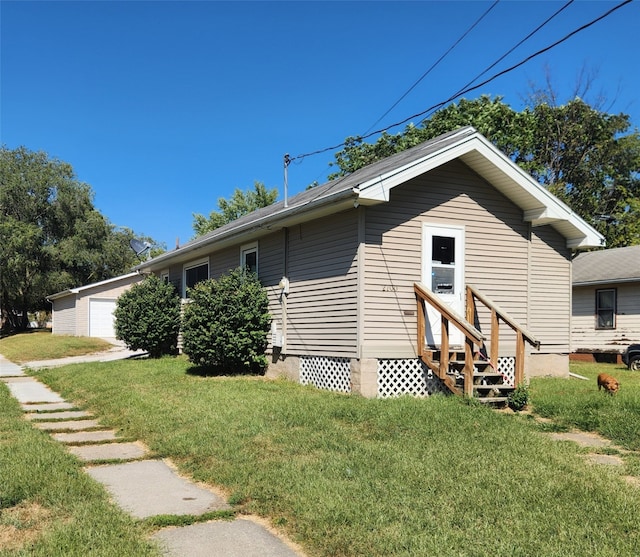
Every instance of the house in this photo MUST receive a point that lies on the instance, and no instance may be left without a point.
(88, 310)
(400, 277)
(606, 303)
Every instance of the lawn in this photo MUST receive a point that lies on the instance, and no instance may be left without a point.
(343, 475)
(42, 345)
(578, 404)
(48, 506)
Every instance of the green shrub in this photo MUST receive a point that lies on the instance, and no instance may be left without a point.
(148, 317)
(519, 398)
(226, 323)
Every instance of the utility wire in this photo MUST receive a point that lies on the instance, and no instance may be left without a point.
(434, 65)
(509, 51)
(469, 89)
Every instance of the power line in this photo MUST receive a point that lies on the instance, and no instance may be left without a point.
(435, 64)
(512, 49)
(469, 89)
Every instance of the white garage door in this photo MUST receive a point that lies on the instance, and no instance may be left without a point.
(101, 318)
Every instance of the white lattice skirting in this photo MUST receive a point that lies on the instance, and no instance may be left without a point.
(407, 377)
(324, 372)
(507, 366)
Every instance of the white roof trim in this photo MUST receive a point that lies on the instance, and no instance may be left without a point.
(79, 289)
(539, 206)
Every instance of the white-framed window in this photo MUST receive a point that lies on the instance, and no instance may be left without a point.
(164, 276)
(249, 257)
(193, 273)
(606, 308)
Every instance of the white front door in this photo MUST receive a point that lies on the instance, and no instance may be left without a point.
(443, 274)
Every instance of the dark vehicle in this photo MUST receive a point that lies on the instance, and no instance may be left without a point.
(631, 357)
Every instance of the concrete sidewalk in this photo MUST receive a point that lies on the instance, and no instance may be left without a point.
(117, 352)
(140, 485)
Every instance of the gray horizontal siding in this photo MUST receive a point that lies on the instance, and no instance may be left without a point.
(64, 315)
(322, 270)
(496, 250)
(550, 291)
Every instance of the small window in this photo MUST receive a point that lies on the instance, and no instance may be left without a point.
(164, 276)
(606, 309)
(443, 250)
(195, 273)
(249, 257)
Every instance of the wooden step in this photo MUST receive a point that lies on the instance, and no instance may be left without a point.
(497, 387)
(491, 378)
(497, 400)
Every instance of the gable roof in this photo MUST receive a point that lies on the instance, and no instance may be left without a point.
(80, 289)
(607, 266)
(372, 185)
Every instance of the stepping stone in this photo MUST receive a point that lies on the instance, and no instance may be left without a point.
(108, 451)
(47, 407)
(150, 488)
(74, 425)
(85, 436)
(239, 538)
(609, 460)
(27, 389)
(48, 416)
(583, 439)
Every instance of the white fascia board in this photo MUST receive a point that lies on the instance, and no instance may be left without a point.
(550, 209)
(79, 289)
(377, 189)
(539, 205)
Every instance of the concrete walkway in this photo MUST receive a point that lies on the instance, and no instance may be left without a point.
(141, 486)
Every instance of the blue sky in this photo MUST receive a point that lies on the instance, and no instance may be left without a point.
(163, 107)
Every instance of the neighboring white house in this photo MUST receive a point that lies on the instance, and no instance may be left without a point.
(88, 310)
(606, 300)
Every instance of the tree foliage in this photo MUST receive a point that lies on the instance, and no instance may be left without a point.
(226, 322)
(51, 235)
(588, 158)
(147, 317)
(241, 203)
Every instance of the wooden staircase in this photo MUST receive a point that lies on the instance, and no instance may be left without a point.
(473, 372)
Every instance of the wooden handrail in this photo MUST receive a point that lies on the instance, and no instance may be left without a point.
(472, 335)
(504, 316)
(447, 315)
(497, 315)
(452, 316)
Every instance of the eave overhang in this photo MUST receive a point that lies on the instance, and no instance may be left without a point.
(250, 229)
(538, 205)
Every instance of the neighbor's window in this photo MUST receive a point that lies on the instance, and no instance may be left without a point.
(195, 273)
(249, 257)
(606, 309)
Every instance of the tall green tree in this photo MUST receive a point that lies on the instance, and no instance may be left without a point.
(241, 203)
(591, 161)
(51, 235)
(588, 158)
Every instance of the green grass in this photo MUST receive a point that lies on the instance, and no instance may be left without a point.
(41, 345)
(344, 475)
(575, 403)
(48, 506)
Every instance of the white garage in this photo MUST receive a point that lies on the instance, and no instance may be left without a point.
(88, 310)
